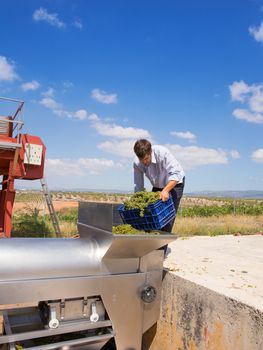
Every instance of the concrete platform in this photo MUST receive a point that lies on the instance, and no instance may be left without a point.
(229, 265)
(212, 297)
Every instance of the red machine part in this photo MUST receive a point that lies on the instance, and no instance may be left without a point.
(24, 162)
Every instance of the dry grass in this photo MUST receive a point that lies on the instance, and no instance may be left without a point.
(223, 225)
(199, 226)
(68, 229)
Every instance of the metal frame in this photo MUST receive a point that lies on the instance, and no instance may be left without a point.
(17, 118)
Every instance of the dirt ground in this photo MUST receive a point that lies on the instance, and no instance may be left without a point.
(58, 205)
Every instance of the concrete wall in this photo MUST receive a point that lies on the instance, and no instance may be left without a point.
(196, 318)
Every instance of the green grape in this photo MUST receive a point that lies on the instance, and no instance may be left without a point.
(128, 229)
(140, 200)
(124, 229)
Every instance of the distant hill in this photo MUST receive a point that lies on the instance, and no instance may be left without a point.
(228, 194)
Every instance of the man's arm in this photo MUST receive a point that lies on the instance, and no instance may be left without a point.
(138, 179)
(175, 174)
(164, 195)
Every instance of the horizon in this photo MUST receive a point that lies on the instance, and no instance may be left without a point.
(61, 189)
(98, 75)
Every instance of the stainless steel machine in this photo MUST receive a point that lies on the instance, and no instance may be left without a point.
(81, 293)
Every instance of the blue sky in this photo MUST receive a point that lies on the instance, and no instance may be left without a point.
(97, 75)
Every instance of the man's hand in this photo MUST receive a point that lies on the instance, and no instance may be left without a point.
(164, 195)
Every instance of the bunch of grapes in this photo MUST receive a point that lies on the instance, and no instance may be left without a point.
(129, 230)
(140, 200)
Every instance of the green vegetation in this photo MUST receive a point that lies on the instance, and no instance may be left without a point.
(196, 216)
(140, 200)
(236, 208)
(68, 214)
(30, 225)
(128, 229)
(33, 224)
(28, 196)
(25, 196)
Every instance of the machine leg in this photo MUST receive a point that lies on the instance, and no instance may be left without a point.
(124, 307)
(7, 197)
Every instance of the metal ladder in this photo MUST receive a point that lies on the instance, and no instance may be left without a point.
(51, 209)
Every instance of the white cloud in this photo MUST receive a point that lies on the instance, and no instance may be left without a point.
(49, 93)
(120, 132)
(234, 154)
(257, 156)
(78, 24)
(120, 148)
(81, 114)
(238, 90)
(51, 18)
(250, 117)
(7, 70)
(57, 108)
(187, 135)
(50, 103)
(257, 32)
(79, 167)
(32, 85)
(103, 97)
(93, 117)
(256, 102)
(117, 131)
(252, 97)
(192, 156)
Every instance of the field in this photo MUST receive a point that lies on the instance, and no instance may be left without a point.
(196, 216)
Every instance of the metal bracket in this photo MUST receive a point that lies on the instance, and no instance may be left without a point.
(94, 317)
(85, 307)
(54, 322)
(62, 309)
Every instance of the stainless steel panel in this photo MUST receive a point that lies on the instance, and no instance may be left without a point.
(126, 246)
(34, 258)
(120, 266)
(12, 292)
(151, 311)
(100, 215)
(94, 343)
(102, 237)
(152, 261)
(125, 309)
(135, 246)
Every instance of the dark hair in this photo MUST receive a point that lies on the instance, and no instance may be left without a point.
(142, 148)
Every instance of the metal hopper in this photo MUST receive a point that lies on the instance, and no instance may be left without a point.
(97, 291)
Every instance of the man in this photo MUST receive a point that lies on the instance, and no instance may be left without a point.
(162, 169)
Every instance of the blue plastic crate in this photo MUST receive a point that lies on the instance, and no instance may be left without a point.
(156, 215)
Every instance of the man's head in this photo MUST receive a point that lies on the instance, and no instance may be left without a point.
(143, 150)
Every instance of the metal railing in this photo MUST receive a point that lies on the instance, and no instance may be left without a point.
(12, 125)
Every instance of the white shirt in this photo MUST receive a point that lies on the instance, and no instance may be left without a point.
(163, 168)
